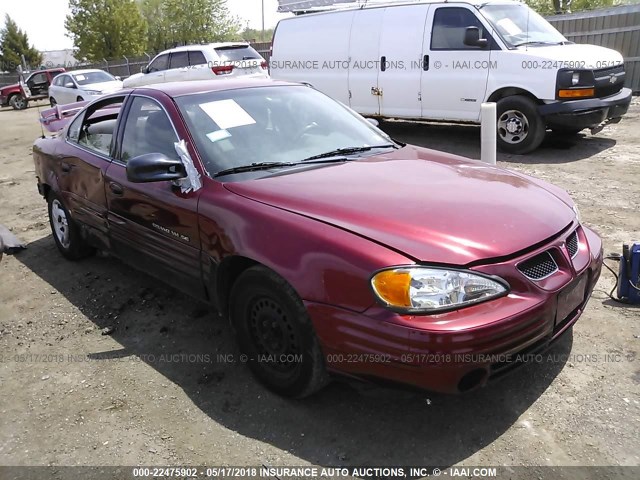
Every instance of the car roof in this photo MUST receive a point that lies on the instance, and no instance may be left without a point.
(88, 70)
(178, 89)
(200, 46)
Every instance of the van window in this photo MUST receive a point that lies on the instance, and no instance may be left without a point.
(197, 58)
(449, 25)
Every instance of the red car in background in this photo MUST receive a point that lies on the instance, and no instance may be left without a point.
(329, 246)
(32, 86)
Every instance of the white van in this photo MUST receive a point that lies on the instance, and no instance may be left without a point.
(440, 60)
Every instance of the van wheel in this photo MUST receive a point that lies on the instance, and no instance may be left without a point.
(65, 231)
(520, 127)
(275, 333)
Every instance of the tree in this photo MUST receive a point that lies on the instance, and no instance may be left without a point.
(252, 34)
(546, 7)
(181, 22)
(104, 29)
(13, 44)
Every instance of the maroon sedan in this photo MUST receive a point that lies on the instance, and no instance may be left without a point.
(329, 246)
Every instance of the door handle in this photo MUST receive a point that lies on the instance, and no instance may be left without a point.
(425, 63)
(116, 188)
(65, 167)
(383, 63)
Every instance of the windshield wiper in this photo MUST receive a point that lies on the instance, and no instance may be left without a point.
(254, 167)
(536, 42)
(348, 151)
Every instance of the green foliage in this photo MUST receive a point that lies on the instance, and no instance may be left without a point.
(181, 22)
(104, 29)
(546, 7)
(252, 34)
(14, 43)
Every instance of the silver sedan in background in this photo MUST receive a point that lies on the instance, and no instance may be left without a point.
(82, 85)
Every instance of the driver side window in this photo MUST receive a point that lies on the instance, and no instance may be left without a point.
(449, 25)
(147, 130)
(159, 64)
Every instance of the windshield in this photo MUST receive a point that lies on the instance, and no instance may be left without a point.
(235, 128)
(88, 78)
(519, 25)
(235, 54)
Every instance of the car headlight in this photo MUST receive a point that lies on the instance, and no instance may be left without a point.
(576, 210)
(415, 289)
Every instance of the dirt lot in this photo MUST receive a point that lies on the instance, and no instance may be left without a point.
(70, 395)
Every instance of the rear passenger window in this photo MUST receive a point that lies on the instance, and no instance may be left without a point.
(449, 25)
(197, 58)
(179, 60)
(95, 128)
(148, 130)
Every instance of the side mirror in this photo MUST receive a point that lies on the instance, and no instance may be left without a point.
(118, 78)
(472, 38)
(69, 85)
(144, 69)
(154, 167)
(373, 122)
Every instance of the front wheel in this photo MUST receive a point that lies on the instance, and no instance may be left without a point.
(276, 335)
(65, 231)
(18, 102)
(520, 126)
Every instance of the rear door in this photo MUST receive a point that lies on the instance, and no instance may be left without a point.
(364, 64)
(154, 225)
(455, 82)
(401, 45)
(83, 163)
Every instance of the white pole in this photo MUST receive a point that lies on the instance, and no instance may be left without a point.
(488, 133)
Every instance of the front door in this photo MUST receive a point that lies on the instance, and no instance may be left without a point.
(454, 81)
(153, 225)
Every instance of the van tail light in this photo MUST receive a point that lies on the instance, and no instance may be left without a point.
(265, 65)
(223, 70)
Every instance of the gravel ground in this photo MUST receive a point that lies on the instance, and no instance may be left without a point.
(102, 365)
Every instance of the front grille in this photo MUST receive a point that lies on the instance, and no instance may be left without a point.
(603, 78)
(573, 244)
(539, 267)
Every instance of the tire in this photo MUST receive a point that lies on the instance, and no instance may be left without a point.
(52, 102)
(271, 321)
(65, 232)
(520, 127)
(18, 102)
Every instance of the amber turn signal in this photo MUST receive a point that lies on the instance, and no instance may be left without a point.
(577, 93)
(392, 286)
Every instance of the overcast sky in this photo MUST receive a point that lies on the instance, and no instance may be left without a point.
(43, 20)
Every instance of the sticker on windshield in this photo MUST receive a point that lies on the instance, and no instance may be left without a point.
(218, 135)
(227, 114)
(80, 77)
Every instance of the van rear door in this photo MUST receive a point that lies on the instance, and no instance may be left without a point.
(364, 66)
(455, 78)
(401, 46)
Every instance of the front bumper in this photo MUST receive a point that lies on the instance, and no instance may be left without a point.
(458, 351)
(586, 113)
(4, 101)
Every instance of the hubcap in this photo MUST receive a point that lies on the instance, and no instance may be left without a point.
(60, 224)
(273, 334)
(20, 102)
(513, 126)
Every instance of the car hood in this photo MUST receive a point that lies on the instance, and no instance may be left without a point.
(104, 87)
(10, 87)
(429, 205)
(583, 56)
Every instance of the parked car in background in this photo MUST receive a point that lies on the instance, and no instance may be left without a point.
(32, 86)
(80, 85)
(201, 62)
(460, 54)
(328, 245)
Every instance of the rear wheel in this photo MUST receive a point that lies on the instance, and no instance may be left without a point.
(520, 126)
(275, 333)
(65, 231)
(18, 102)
